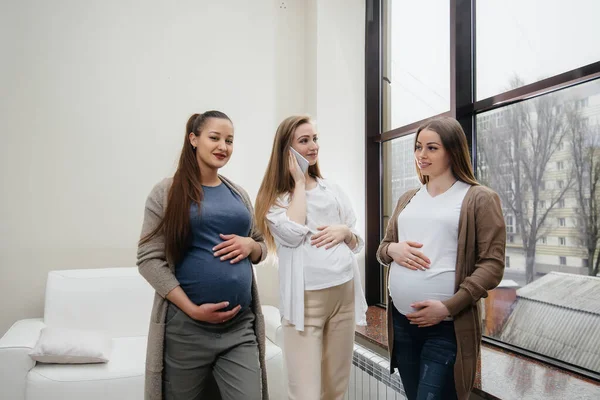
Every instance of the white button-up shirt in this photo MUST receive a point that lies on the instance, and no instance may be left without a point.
(299, 259)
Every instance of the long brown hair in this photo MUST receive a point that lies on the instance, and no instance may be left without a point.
(455, 143)
(185, 190)
(278, 179)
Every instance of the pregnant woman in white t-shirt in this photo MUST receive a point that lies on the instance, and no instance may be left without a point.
(310, 222)
(445, 248)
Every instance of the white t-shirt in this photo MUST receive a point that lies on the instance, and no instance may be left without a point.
(433, 222)
(324, 268)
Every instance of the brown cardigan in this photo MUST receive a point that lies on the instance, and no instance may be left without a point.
(479, 268)
(160, 273)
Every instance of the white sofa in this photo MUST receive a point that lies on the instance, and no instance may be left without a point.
(114, 300)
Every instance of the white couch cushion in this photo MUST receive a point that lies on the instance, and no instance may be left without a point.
(267, 279)
(71, 346)
(121, 378)
(117, 301)
(272, 352)
(276, 378)
(273, 329)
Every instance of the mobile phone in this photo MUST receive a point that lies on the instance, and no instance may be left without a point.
(302, 162)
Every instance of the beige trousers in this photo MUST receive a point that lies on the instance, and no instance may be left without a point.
(318, 359)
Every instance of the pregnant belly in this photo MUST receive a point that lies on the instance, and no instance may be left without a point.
(407, 286)
(339, 257)
(218, 283)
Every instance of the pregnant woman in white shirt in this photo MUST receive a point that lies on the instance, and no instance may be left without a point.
(445, 247)
(311, 224)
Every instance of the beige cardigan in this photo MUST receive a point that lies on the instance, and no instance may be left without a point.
(160, 273)
(479, 268)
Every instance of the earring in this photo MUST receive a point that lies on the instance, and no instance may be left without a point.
(193, 147)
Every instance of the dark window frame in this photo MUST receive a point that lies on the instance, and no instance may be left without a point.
(562, 222)
(562, 260)
(464, 107)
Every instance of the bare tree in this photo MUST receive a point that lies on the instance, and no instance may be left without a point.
(585, 151)
(515, 150)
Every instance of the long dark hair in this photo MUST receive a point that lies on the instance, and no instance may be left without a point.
(455, 143)
(185, 190)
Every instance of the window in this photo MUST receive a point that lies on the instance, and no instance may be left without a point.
(509, 224)
(533, 115)
(533, 129)
(581, 103)
(399, 173)
(415, 90)
(562, 222)
(529, 41)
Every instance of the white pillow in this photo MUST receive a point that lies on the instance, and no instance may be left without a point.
(70, 346)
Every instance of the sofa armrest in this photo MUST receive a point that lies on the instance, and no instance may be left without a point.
(15, 362)
(273, 329)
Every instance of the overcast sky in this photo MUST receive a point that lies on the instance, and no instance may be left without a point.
(529, 38)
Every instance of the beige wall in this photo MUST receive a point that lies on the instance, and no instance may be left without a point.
(99, 95)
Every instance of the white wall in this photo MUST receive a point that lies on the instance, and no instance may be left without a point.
(340, 98)
(290, 60)
(95, 100)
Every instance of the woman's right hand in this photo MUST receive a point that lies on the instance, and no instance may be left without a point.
(210, 313)
(407, 255)
(295, 169)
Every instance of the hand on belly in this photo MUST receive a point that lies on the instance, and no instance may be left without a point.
(213, 312)
(330, 236)
(407, 255)
(234, 248)
(430, 312)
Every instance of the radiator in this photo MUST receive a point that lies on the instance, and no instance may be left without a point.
(370, 378)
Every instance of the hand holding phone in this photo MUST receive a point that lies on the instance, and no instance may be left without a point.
(302, 162)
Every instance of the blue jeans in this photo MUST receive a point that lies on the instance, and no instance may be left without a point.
(425, 358)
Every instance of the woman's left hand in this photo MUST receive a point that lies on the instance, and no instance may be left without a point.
(431, 312)
(236, 246)
(331, 235)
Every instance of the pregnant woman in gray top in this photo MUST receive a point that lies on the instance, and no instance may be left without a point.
(198, 244)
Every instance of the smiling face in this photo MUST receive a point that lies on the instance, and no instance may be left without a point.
(214, 143)
(305, 142)
(432, 158)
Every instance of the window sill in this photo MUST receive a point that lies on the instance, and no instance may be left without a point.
(502, 374)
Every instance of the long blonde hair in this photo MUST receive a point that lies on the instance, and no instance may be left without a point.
(278, 179)
(455, 143)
